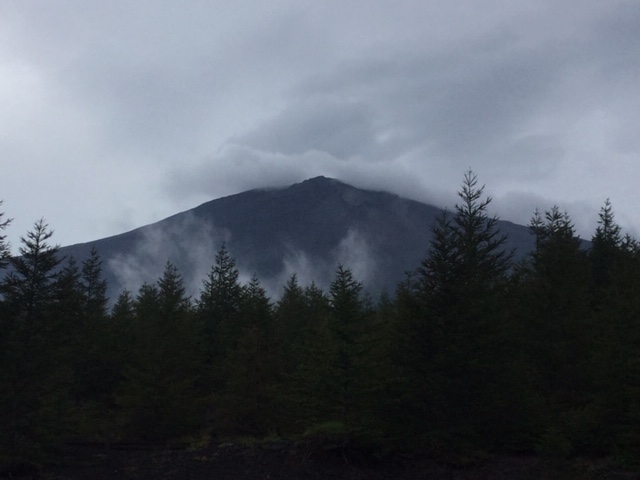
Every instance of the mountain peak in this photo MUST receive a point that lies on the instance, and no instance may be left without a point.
(321, 181)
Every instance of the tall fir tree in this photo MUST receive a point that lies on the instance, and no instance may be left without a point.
(219, 303)
(347, 325)
(29, 287)
(158, 396)
(218, 310)
(94, 287)
(5, 247)
(34, 379)
(457, 299)
(94, 344)
(556, 328)
(247, 402)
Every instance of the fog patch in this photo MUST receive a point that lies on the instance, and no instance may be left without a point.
(189, 243)
(307, 269)
(353, 252)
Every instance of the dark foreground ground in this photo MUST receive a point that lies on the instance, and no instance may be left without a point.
(297, 462)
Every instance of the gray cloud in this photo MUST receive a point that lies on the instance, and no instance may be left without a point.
(341, 129)
(118, 114)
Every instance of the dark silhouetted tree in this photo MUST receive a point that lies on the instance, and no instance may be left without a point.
(553, 312)
(451, 325)
(247, 402)
(158, 396)
(34, 379)
(5, 247)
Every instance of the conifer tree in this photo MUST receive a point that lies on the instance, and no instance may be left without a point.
(290, 320)
(347, 328)
(457, 302)
(67, 314)
(219, 303)
(221, 293)
(94, 345)
(158, 396)
(30, 286)
(558, 335)
(247, 404)
(290, 326)
(34, 381)
(123, 309)
(94, 287)
(5, 248)
(218, 310)
(306, 394)
(615, 280)
(117, 348)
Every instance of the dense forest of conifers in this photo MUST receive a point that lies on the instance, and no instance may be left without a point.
(472, 354)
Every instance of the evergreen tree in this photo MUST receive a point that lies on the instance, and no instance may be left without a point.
(93, 369)
(5, 248)
(219, 303)
(67, 316)
(123, 310)
(158, 395)
(346, 325)
(94, 287)
(218, 310)
(34, 379)
(221, 293)
(306, 394)
(558, 335)
(290, 326)
(30, 286)
(247, 403)
(615, 277)
(117, 347)
(290, 320)
(453, 321)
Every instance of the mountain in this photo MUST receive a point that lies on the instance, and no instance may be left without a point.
(307, 228)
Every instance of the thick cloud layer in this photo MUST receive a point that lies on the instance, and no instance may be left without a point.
(117, 114)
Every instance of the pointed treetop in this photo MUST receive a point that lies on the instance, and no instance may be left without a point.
(608, 232)
(5, 247)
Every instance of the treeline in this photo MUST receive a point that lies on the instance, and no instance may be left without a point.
(473, 353)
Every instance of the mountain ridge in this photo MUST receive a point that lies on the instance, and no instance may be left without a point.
(307, 228)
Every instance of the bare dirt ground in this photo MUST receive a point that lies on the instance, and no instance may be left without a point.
(295, 462)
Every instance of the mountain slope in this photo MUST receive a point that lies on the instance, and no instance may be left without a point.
(307, 228)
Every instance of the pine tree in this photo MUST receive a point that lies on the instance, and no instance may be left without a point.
(30, 286)
(117, 346)
(615, 279)
(5, 247)
(221, 292)
(557, 329)
(94, 287)
(290, 326)
(34, 380)
(95, 346)
(218, 310)
(347, 328)
(247, 403)
(158, 396)
(219, 303)
(457, 300)
(290, 321)
(306, 394)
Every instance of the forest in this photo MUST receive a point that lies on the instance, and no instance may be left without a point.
(472, 354)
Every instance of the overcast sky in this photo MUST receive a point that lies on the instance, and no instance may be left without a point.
(118, 114)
